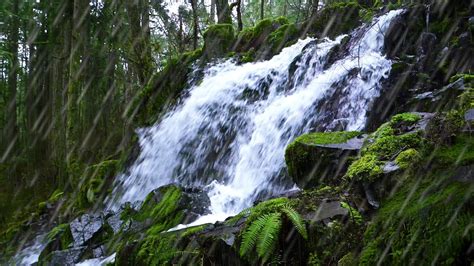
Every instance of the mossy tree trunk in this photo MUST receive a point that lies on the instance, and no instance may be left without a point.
(11, 126)
(223, 12)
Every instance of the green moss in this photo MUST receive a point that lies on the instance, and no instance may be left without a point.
(422, 223)
(350, 259)
(344, 15)
(388, 146)
(282, 20)
(466, 100)
(367, 168)
(405, 117)
(218, 40)
(248, 57)
(468, 78)
(165, 214)
(93, 189)
(461, 152)
(269, 36)
(354, 214)
(263, 27)
(390, 138)
(56, 196)
(162, 249)
(163, 88)
(323, 138)
(367, 15)
(303, 154)
(59, 238)
(42, 207)
(278, 39)
(408, 158)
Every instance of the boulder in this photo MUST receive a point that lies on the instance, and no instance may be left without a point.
(315, 157)
(59, 238)
(326, 210)
(464, 174)
(218, 40)
(427, 42)
(85, 227)
(63, 257)
(471, 23)
(191, 202)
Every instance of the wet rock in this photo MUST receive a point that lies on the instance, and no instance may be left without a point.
(464, 174)
(59, 238)
(192, 201)
(471, 23)
(84, 228)
(98, 252)
(390, 167)
(370, 196)
(469, 116)
(326, 210)
(337, 52)
(321, 157)
(114, 222)
(427, 43)
(465, 40)
(64, 257)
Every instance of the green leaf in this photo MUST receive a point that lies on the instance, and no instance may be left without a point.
(296, 220)
(269, 234)
(250, 236)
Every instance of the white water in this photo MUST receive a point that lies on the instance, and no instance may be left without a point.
(230, 132)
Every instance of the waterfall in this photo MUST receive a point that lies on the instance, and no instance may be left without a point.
(228, 135)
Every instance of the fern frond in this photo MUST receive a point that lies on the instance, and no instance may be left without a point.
(269, 234)
(250, 236)
(296, 220)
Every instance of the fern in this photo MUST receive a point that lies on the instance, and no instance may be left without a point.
(269, 235)
(264, 231)
(296, 220)
(251, 235)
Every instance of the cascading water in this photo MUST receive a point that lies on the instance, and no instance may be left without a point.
(230, 132)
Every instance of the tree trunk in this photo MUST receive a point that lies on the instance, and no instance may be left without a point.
(195, 24)
(262, 9)
(213, 11)
(240, 24)
(80, 8)
(223, 12)
(11, 125)
(314, 8)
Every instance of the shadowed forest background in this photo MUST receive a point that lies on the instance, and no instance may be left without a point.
(79, 77)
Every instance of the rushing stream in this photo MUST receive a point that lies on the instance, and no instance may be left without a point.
(228, 135)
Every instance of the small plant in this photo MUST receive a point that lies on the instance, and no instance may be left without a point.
(264, 231)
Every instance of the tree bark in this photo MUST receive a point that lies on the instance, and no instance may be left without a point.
(238, 6)
(195, 24)
(13, 38)
(223, 12)
(213, 11)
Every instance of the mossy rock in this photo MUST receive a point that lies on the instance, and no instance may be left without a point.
(335, 19)
(171, 205)
(267, 38)
(175, 247)
(97, 177)
(317, 158)
(163, 88)
(425, 222)
(218, 40)
(399, 138)
(59, 238)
